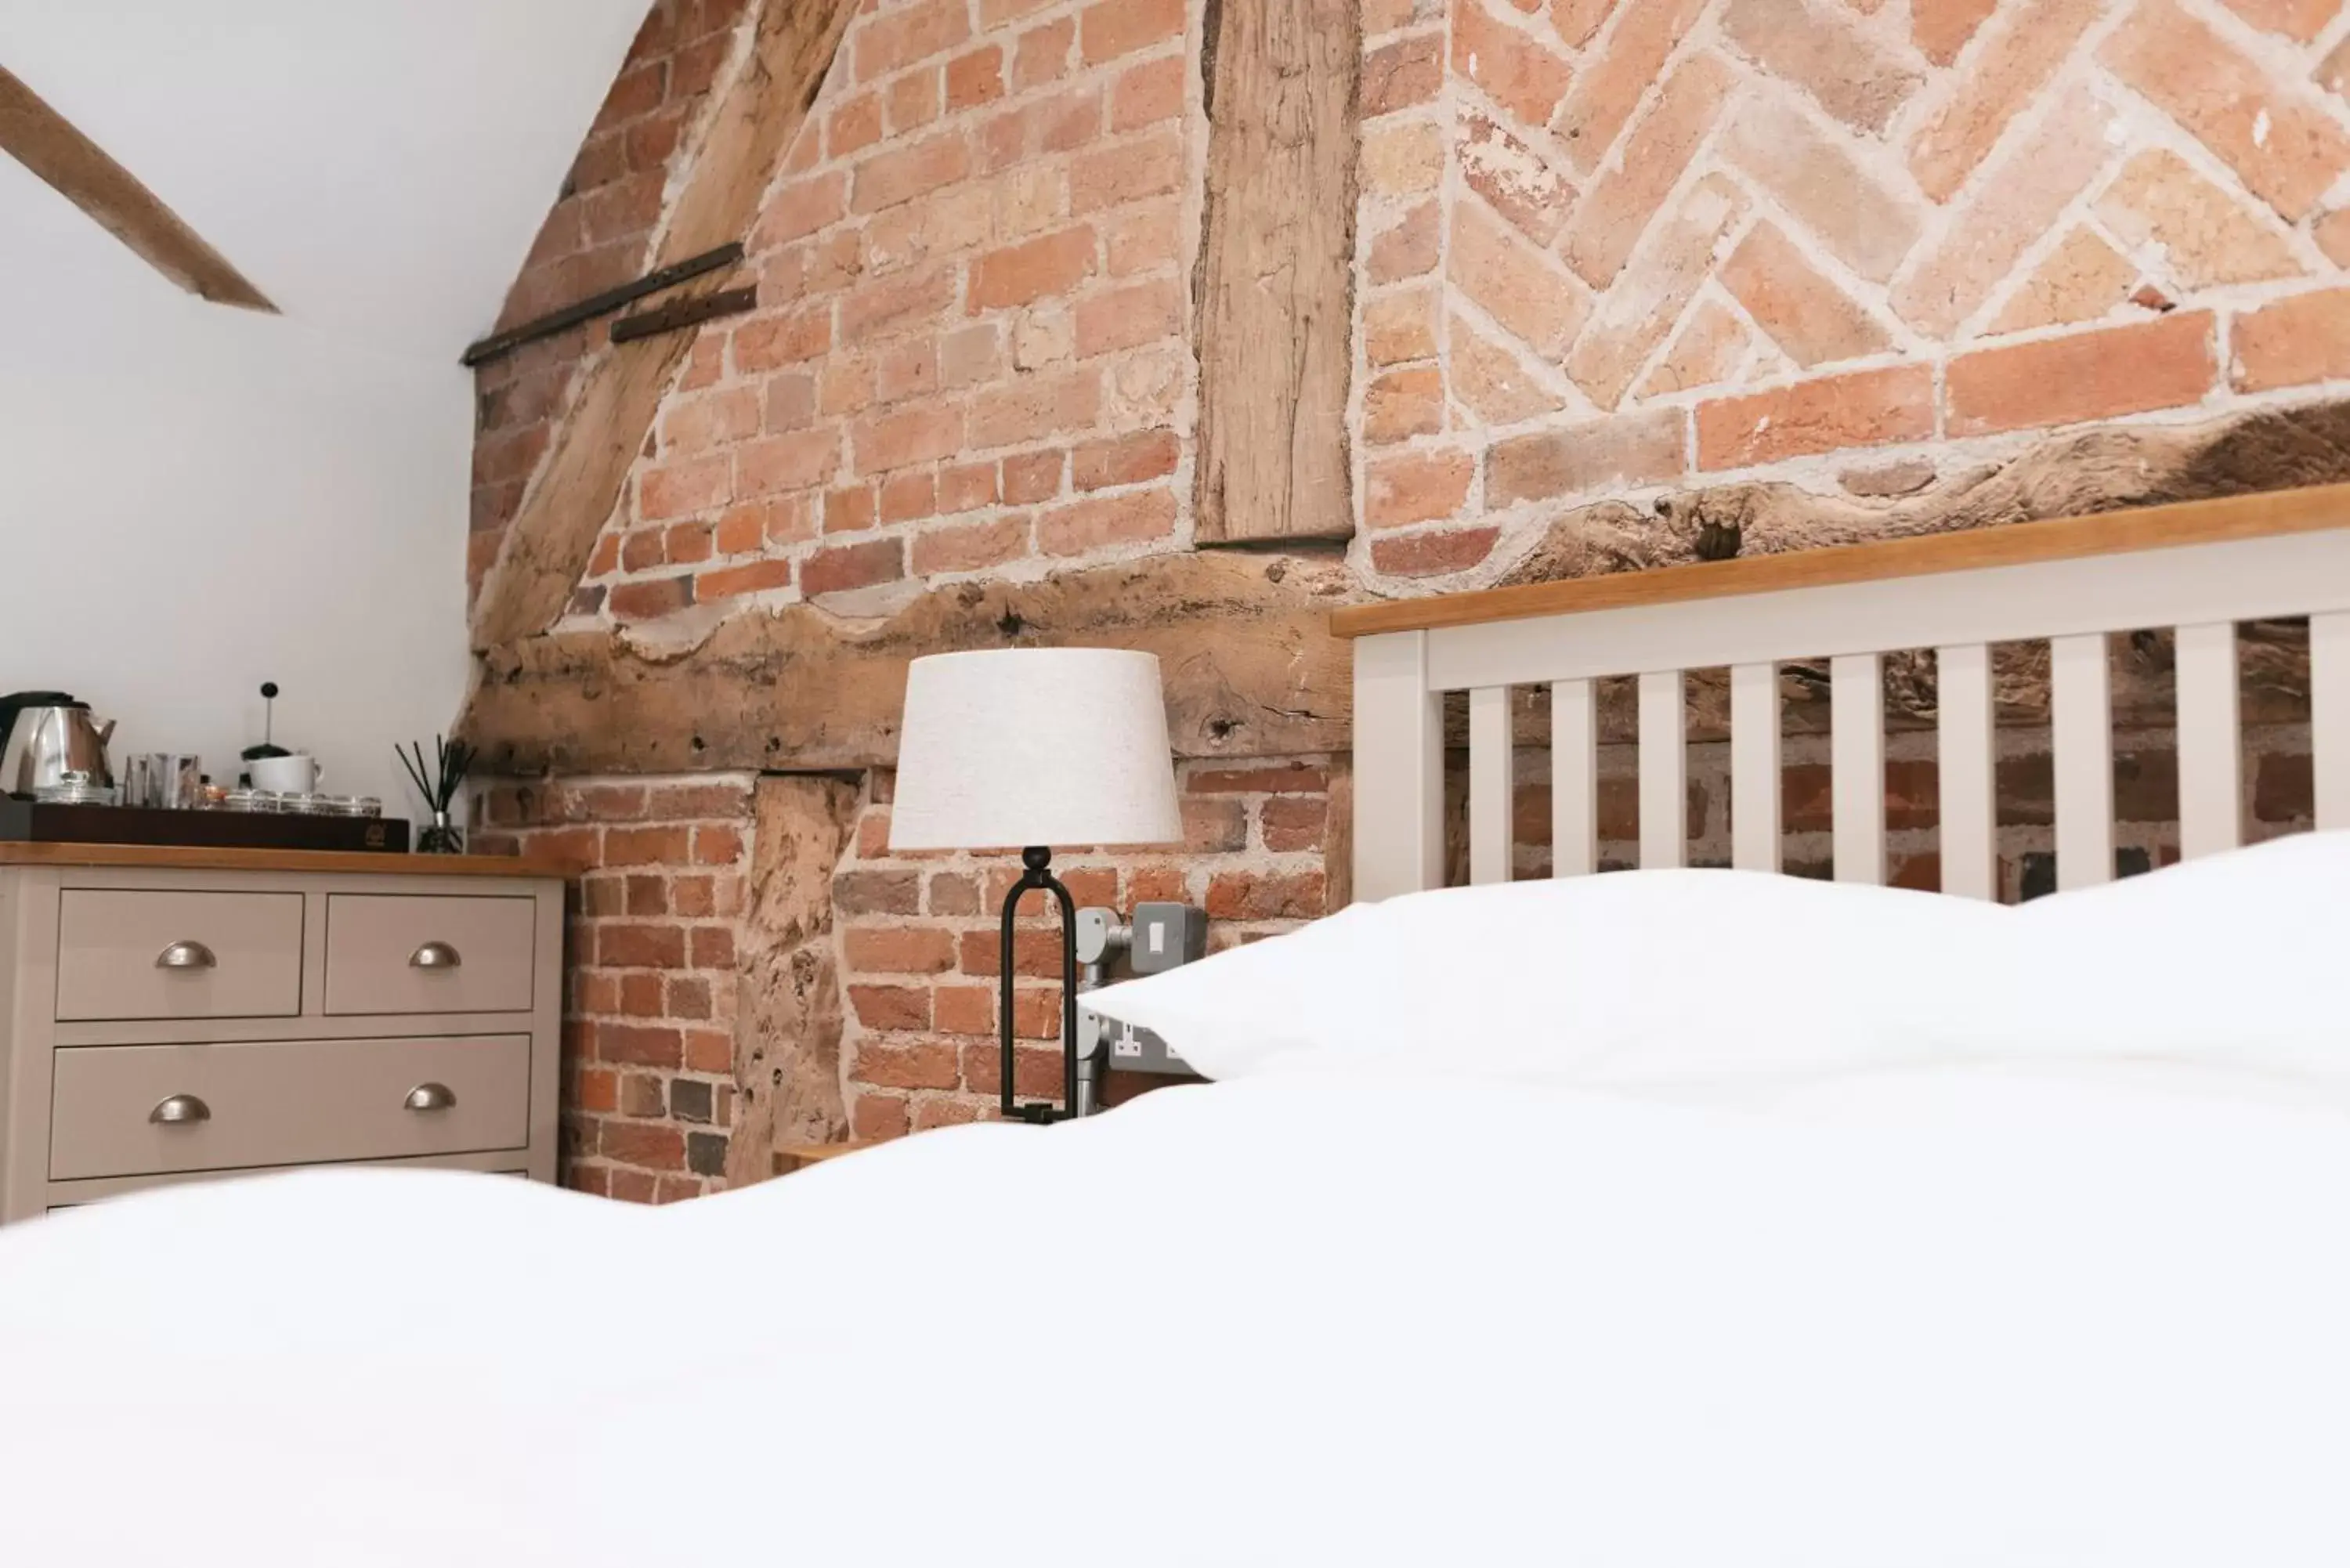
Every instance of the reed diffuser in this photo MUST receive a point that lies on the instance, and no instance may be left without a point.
(439, 786)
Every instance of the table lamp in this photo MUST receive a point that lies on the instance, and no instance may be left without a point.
(1029, 748)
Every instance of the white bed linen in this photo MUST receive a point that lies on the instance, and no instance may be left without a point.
(1975, 1317)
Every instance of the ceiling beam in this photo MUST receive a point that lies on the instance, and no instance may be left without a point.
(78, 169)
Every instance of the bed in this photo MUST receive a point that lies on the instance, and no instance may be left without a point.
(1957, 1250)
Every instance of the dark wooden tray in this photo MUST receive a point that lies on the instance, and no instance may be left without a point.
(36, 822)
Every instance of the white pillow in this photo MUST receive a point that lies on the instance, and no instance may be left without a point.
(1630, 978)
(2239, 960)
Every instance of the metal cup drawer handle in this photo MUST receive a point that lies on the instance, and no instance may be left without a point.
(180, 1110)
(186, 955)
(432, 1097)
(434, 955)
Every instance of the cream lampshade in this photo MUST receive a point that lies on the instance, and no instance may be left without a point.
(1009, 748)
(1024, 748)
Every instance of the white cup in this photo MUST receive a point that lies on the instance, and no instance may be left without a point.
(297, 774)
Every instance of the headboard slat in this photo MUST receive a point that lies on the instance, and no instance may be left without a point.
(1857, 765)
(1573, 779)
(1664, 771)
(1968, 773)
(1491, 775)
(2329, 718)
(2080, 734)
(2210, 772)
(1755, 755)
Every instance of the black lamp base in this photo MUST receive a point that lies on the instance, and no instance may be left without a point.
(1038, 860)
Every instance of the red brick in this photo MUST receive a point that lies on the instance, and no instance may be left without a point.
(975, 79)
(1124, 459)
(1042, 54)
(643, 549)
(2281, 788)
(709, 1051)
(849, 511)
(909, 495)
(1127, 318)
(768, 343)
(970, 549)
(619, 946)
(779, 465)
(1144, 239)
(637, 1044)
(634, 91)
(911, 102)
(1861, 408)
(2293, 341)
(686, 544)
(876, 1118)
(875, 892)
(1147, 94)
(647, 846)
(640, 994)
(2160, 364)
(1408, 248)
(1034, 406)
(1825, 50)
(903, 173)
(712, 947)
(1115, 27)
(640, 1096)
(1017, 274)
(595, 1089)
(1147, 166)
(1433, 554)
(650, 1146)
(1398, 74)
(800, 208)
(1032, 477)
(717, 846)
(892, 304)
(1400, 404)
(902, 437)
(854, 126)
(891, 1006)
(898, 949)
(921, 1064)
(886, 43)
(1128, 518)
(1266, 896)
(732, 582)
(1622, 451)
(846, 567)
(1293, 823)
(967, 486)
(651, 600)
(679, 489)
(1513, 66)
(1417, 487)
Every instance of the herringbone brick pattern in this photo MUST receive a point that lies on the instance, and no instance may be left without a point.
(1621, 245)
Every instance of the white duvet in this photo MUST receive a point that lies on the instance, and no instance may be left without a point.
(1990, 1317)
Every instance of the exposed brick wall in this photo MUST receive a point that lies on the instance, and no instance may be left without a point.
(656, 904)
(597, 235)
(1610, 250)
(921, 940)
(968, 353)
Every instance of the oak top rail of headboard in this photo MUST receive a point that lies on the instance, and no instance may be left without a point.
(2015, 544)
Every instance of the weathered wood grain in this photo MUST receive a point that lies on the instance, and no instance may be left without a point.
(1275, 284)
(78, 169)
(597, 440)
(1250, 665)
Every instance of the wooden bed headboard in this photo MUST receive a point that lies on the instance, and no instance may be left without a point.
(2200, 567)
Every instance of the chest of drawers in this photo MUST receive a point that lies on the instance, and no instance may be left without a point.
(173, 1015)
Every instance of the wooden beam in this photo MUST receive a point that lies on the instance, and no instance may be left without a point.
(1243, 640)
(78, 169)
(2015, 544)
(751, 127)
(1275, 284)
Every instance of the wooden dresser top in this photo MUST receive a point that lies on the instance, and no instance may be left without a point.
(187, 858)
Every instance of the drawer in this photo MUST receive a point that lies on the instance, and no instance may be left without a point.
(397, 953)
(136, 954)
(136, 1110)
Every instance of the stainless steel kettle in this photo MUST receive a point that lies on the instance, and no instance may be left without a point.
(44, 735)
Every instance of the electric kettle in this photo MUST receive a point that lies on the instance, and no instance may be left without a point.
(44, 736)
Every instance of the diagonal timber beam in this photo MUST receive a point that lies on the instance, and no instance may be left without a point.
(78, 168)
(749, 130)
